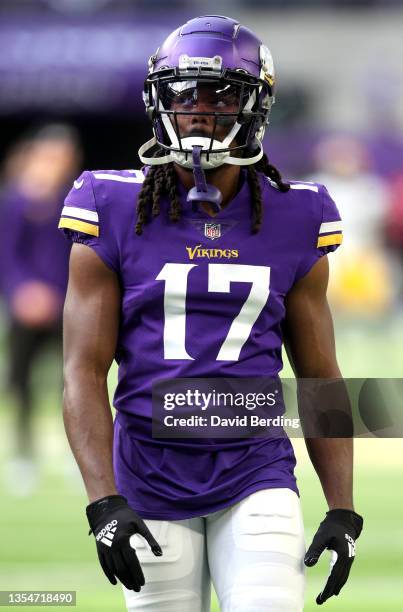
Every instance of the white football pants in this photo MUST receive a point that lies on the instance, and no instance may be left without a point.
(252, 552)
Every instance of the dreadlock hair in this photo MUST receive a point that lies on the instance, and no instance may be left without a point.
(161, 180)
(264, 166)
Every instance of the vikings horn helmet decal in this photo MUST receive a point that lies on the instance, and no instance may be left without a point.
(221, 61)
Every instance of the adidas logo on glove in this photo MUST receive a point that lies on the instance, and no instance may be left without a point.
(107, 534)
(351, 545)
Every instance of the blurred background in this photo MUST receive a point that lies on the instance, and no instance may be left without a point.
(71, 74)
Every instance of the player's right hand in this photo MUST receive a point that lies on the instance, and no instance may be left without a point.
(338, 533)
(113, 522)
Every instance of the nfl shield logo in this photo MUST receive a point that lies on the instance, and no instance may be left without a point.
(212, 230)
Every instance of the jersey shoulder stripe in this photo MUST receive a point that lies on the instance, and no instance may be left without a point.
(80, 226)
(330, 239)
(330, 227)
(330, 233)
(80, 213)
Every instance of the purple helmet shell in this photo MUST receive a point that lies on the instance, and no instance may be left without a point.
(210, 36)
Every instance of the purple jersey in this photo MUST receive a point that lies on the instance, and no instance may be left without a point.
(29, 241)
(203, 297)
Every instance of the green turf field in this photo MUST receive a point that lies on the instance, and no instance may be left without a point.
(43, 538)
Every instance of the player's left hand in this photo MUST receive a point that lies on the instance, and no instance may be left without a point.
(337, 532)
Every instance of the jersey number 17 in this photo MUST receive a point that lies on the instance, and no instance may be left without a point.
(220, 277)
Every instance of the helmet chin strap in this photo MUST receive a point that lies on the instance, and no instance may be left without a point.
(202, 192)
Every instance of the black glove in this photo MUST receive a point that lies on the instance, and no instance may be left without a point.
(338, 532)
(113, 522)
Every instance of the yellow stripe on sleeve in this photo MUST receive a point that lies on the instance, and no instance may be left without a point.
(80, 226)
(329, 240)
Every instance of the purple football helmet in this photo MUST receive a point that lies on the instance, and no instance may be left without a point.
(212, 63)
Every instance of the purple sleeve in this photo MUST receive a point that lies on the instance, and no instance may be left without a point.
(12, 272)
(326, 235)
(15, 267)
(83, 220)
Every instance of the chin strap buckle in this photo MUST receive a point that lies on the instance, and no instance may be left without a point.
(202, 191)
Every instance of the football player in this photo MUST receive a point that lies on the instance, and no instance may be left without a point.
(202, 264)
